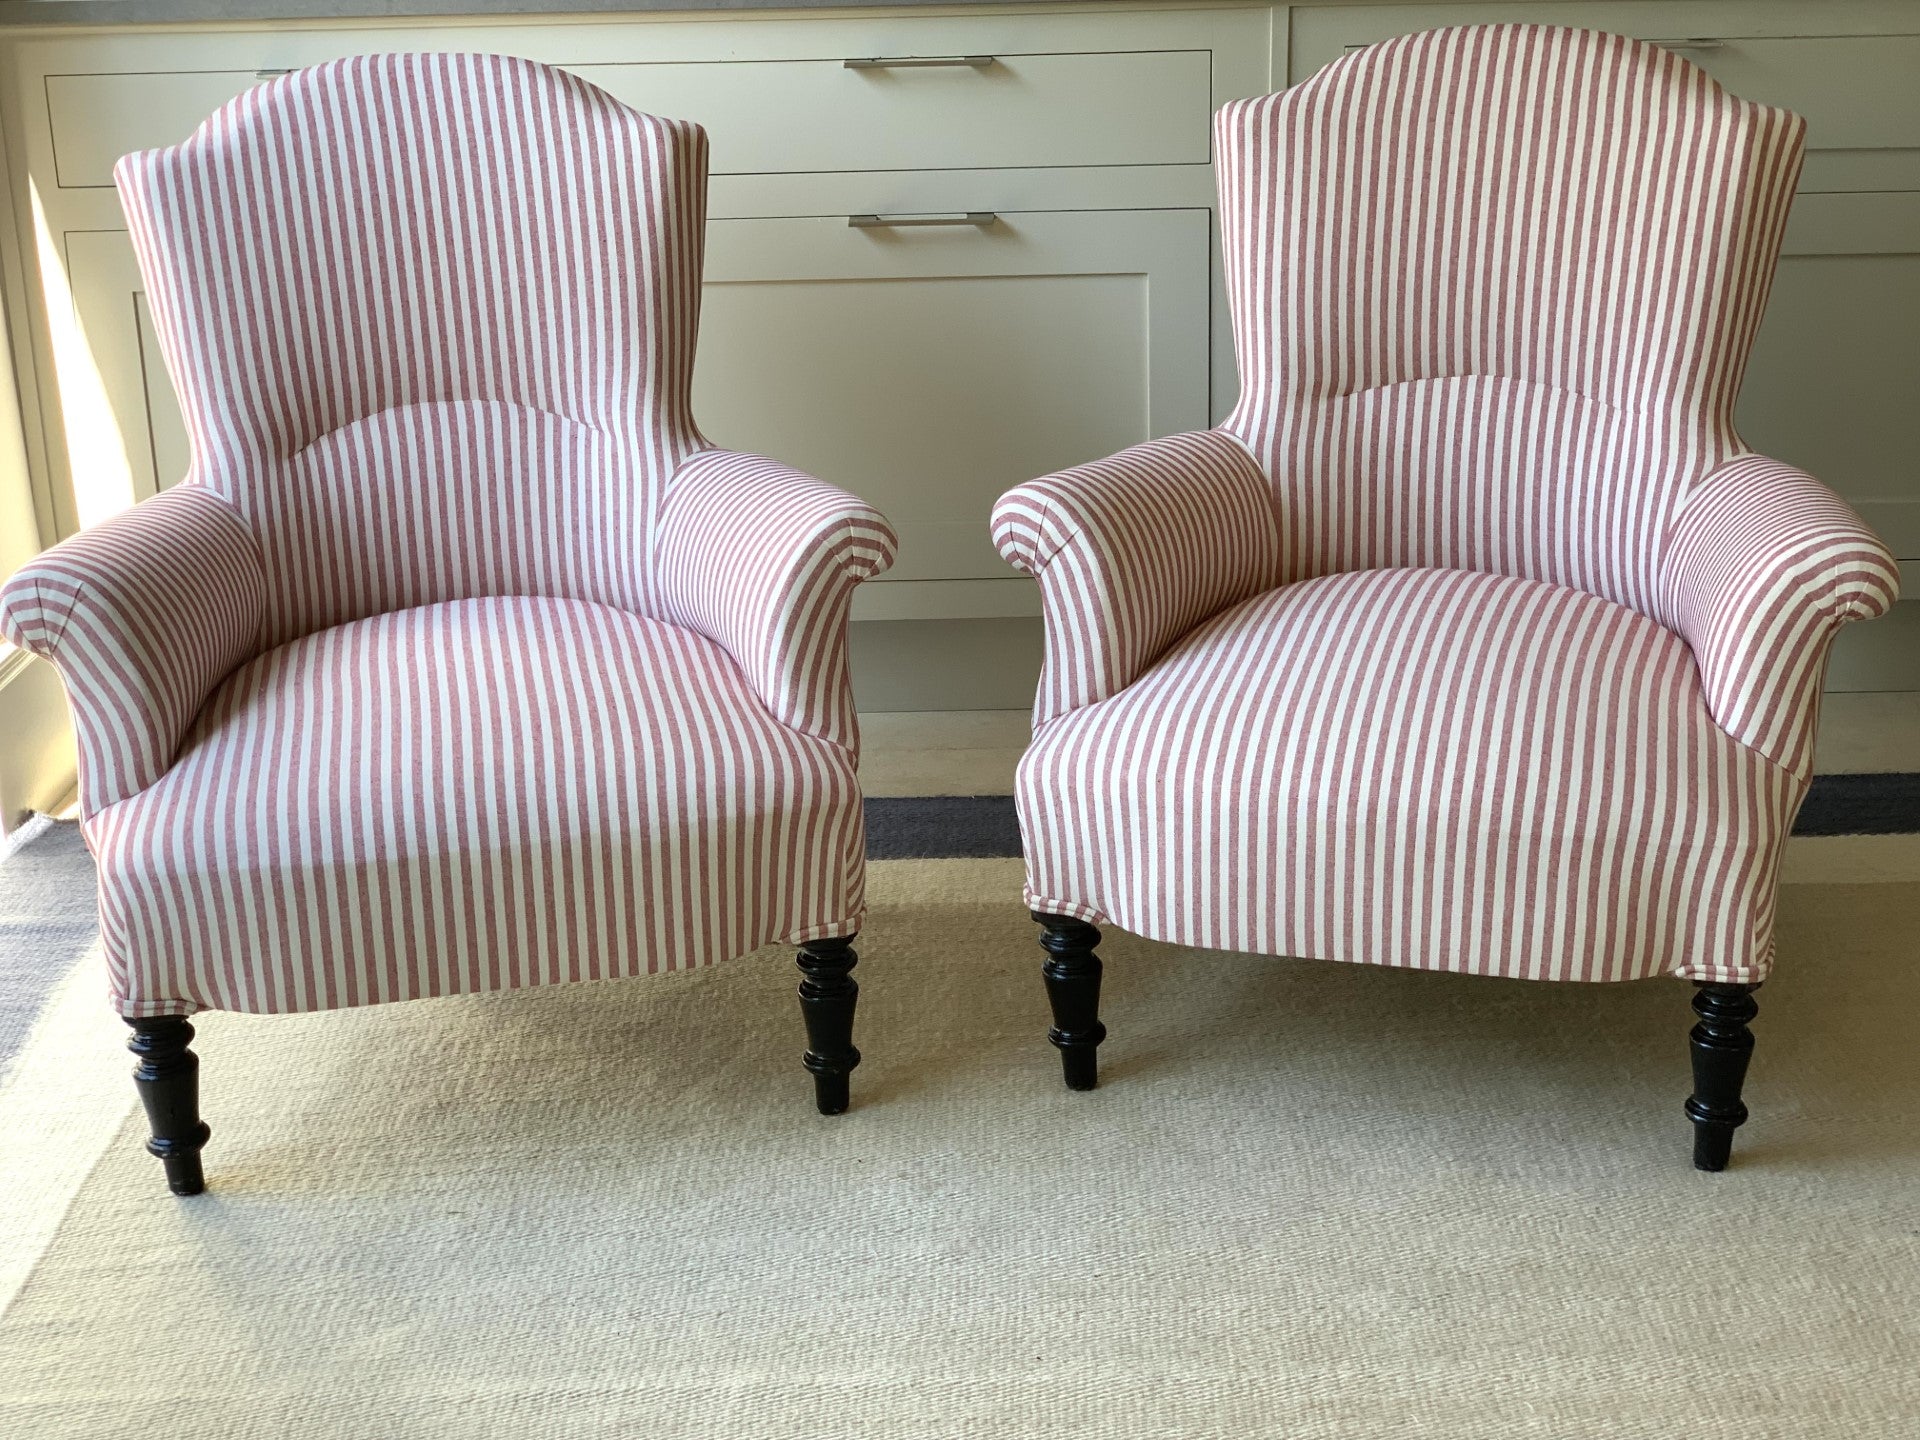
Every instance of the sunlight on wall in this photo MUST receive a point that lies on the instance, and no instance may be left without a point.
(19, 527)
(96, 453)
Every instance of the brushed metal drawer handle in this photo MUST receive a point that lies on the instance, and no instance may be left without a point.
(918, 62)
(978, 218)
(271, 74)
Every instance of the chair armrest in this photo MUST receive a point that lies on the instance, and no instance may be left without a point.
(1133, 552)
(1761, 568)
(763, 560)
(142, 615)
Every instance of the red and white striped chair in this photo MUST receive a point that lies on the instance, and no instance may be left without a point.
(1474, 639)
(459, 660)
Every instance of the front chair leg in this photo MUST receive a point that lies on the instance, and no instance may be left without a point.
(827, 997)
(168, 1079)
(1722, 1045)
(1072, 973)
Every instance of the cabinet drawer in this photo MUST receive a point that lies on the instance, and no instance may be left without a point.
(1146, 107)
(1857, 92)
(929, 368)
(991, 112)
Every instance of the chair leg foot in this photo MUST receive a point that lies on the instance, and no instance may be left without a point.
(1721, 1046)
(168, 1079)
(1072, 973)
(827, 997)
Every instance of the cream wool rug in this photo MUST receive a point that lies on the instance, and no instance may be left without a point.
(1311, 1200)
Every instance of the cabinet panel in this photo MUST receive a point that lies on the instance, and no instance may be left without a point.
(930, 369)
(1831, 383)
(1139, 108)
(1121, 108)
(1857, 91)
(115, 369)
(95, 119)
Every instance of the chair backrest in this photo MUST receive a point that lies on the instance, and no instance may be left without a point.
(431, 319)
(1493, 290)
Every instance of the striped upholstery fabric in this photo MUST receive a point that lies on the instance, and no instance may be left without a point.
(1529, 678)
(1435, 768)
(460, 659)
(143, 614)
(1493, 290)
(1763, 564)
(431, 319)
(471, 796)
(759, 558)
(1137, 550)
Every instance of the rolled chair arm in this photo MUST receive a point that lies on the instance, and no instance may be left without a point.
(1762, 566)
(763, 560)
(142, 615)
(1133, 552)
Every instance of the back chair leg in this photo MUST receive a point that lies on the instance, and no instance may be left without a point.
(168, 1079)
(1072, 973)
(827, 997)
(1722, 1046)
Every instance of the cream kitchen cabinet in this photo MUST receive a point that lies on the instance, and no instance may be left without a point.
(110, 310)
(927, 366)
(933, 364)
(1836, 369)
(980, 111)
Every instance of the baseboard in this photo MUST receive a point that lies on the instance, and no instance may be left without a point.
(37, 763)
(986, 826)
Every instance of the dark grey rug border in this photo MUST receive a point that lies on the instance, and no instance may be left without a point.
(960, 827)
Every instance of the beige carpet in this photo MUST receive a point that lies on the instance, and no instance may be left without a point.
(1312, 1200)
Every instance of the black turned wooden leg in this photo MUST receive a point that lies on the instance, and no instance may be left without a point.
(1722, 1045)
(168, 1079)
(1072, 973)
(827, 997)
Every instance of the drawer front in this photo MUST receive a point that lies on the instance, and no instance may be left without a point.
(984, 111)
(1128, 108)
(1858, 92)
(929, 368)
(95, 119)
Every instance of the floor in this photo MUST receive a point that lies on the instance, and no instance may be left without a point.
(1308, 1200)
(47, 921)
(47, 914)
(1807, 1156)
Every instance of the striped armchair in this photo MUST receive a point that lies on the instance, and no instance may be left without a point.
(459, 661)
(1474, 639)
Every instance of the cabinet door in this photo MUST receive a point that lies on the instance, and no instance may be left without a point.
(1830, 388)
(931, 367)
(926, 367)
(123, 423)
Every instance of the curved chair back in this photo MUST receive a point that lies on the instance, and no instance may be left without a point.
(1493, 290)
(449, 298)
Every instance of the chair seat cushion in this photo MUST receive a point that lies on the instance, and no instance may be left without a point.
(473, 796)
(1430, 768)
